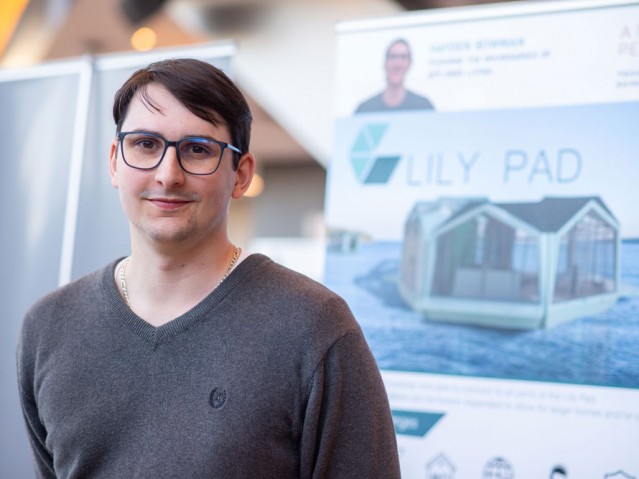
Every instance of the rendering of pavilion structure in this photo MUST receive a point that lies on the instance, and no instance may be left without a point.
(510, 265)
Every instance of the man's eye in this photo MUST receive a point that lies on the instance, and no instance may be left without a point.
(197, 149)
(147, 144)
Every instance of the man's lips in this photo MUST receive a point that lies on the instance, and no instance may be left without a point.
(168, 203)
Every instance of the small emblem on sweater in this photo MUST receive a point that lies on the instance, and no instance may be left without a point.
(217, 397)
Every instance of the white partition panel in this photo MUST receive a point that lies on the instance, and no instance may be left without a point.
(37, 110)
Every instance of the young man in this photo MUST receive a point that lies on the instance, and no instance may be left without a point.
(396, 96)
(191, 358)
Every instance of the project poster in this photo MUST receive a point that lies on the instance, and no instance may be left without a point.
(483, 225)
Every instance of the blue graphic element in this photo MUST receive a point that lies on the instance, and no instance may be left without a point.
(412, 423)
(368, 168)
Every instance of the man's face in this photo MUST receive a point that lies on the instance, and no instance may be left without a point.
(166, 204)
(397, 64)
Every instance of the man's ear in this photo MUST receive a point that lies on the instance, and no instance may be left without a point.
(243, 175)
(113, 163)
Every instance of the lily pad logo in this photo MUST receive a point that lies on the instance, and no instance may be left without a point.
(368, 167)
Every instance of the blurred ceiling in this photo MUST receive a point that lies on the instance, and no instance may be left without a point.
(10, 14)
(426, 4)
(284, 63)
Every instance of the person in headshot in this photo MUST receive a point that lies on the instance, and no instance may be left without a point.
(191, 357)
(395, 96)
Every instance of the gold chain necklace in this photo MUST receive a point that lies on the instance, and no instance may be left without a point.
(122, 271)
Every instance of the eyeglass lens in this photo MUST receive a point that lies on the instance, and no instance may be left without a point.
(145, 151)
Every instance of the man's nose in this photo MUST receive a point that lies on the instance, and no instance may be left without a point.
(169, 170)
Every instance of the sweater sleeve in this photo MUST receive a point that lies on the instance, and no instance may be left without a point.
(25, 361)
(348, 430)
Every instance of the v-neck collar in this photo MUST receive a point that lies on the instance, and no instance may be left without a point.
(157, 335)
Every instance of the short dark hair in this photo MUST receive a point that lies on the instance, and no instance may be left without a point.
(395, 42)
(559, 470)
(203, 89)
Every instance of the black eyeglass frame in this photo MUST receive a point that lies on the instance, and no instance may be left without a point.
(176, 145)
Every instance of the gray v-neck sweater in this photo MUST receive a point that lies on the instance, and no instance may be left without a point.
(268, 377)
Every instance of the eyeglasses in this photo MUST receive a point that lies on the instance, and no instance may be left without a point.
(398, 56)
(197, 155)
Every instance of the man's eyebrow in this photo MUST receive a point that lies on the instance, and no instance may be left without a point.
(189, 135)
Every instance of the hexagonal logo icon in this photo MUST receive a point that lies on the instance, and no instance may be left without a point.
(368, 167)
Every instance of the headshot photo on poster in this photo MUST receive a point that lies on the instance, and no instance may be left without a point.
(396, 97)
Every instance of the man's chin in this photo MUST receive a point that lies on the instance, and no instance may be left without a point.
(167, 234)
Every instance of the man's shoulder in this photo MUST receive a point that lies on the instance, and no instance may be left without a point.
(282, 289)
(283, 282)
(67, 297)
(412, 101)
(63, 311)
(417, 102)
(375, 103)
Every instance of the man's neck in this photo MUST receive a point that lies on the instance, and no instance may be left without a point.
(164, 283)
(394, 95)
